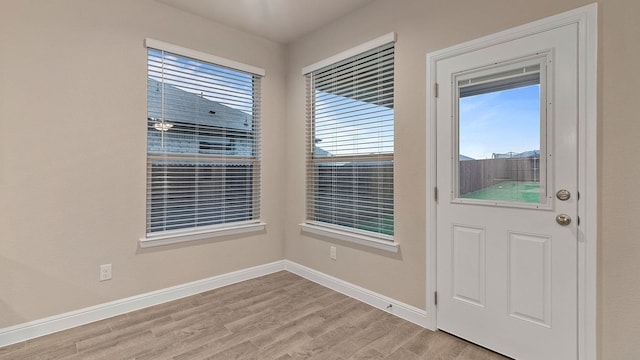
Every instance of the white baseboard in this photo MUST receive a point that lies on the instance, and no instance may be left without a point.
(41, 327)
(37, 328)
(397, 308)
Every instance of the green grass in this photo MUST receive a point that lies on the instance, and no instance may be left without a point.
(512, 191)
(382, 226)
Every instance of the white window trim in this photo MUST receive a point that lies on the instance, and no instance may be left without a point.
(208, 232)
(175, 49)
(369, 45)
(381, 242)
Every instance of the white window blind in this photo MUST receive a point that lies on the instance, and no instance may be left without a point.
(350, 131)
(203, 144)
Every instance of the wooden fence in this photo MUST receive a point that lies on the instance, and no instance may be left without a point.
(481, 174)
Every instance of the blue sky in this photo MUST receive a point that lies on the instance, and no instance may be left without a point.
(500, 122)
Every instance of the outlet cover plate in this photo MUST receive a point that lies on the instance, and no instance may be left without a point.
(105, 272)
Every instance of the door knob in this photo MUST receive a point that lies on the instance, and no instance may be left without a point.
(563, 219)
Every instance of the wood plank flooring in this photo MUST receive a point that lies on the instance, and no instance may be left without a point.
(279, 316)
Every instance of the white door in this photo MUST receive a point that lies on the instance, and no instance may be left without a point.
(507, 209)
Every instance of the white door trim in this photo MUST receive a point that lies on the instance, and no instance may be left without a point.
(586, 18)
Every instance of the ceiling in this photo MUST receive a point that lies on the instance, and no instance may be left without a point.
(279, 20)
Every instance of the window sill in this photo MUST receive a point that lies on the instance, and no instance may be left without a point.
(361, 239)
(173, 237)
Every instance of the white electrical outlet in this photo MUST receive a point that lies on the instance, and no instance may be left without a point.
(332, 252)
(105, 272)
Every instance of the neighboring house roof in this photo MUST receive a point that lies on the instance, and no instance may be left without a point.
(527, 154)
(320, 152)
(464, 157)
(190, 108)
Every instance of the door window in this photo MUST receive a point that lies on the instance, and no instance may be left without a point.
(501, 135)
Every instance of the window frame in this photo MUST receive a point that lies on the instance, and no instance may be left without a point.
(327, 229)
(165, 237)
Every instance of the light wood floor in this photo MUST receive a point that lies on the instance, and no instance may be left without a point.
(279, 316)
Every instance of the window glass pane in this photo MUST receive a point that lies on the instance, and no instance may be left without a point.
(345, 126)
(189, 194)
(500, 141)
(356, 195)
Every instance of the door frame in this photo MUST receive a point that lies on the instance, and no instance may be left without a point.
(586, 18)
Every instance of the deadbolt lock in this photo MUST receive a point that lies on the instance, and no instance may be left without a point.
(563, 195)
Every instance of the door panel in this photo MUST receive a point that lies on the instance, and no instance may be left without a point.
(468, 264)
(507, 271)
(529, 273)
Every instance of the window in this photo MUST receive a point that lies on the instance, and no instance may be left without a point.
(350, 142)
(203, 143)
